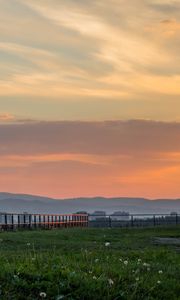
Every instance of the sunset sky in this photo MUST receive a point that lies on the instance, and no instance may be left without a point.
(90, 97)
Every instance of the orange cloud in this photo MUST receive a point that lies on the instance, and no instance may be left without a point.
(113, 158)
(6, 117)
(167, 28)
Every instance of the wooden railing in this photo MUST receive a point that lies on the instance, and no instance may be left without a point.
(11, 221)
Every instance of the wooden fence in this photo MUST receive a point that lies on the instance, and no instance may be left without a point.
(11, 221)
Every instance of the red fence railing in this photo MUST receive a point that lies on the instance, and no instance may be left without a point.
(10, 221)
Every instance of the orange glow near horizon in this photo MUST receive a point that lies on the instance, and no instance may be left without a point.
(69, 175)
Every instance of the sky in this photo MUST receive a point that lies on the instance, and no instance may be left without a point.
(90, 98)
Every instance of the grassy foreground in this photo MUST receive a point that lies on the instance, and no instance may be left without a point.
(89, 264)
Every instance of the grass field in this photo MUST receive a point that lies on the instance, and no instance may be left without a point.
(89, 264)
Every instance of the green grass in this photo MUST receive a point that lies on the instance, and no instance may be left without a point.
(76, 264)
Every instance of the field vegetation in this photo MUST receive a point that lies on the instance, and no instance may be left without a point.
(90, 264)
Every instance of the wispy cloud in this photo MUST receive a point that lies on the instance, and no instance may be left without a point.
(6, 117)
(80, 51)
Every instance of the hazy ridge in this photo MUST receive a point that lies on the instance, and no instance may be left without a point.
(36, 204)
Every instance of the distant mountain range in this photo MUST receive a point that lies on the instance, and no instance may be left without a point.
(35, 204)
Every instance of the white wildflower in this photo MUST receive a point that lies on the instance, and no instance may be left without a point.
(28, 244)
(42, 295)
(158, 282)
(160, 272)
(146, 265)
(125, 262)
(107, 244)
(110, 281)
(94, 277)
(137, 278)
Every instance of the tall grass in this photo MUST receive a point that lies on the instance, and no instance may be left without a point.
(89, 264)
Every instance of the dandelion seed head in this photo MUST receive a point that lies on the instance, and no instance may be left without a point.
(42, 295)
(110, 281)
(146, 265)
(107, 244)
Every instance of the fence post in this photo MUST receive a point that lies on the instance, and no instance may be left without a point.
(154, 218)
(44, 221)
(30, 221)
(34, 221)
(39, 221)
(5, 219)
(53, 221)
(48, 221)
(132, 221)
(18, 221)
(110, 223)
(12, 221)
(176, 219)
(24, 221)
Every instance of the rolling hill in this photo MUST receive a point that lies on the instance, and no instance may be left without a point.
(35, 204)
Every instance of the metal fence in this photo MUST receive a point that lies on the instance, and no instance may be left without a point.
(133, 220)
(13, 221)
